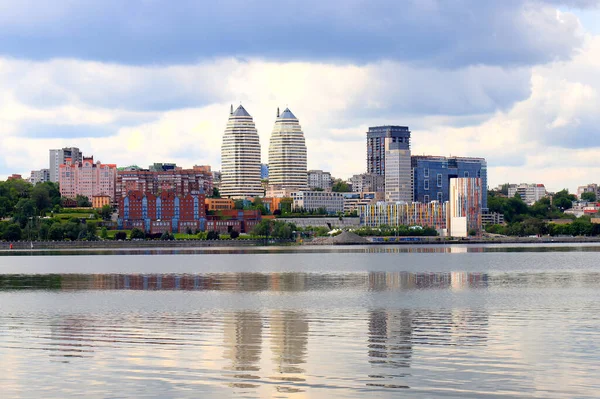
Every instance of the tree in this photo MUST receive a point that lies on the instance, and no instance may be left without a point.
(13, 232)
(41, 197)
(563, 200)
(216, 193)
(212, 235)
(72, 229)
(83, 201)
(136, 234)
(56, 232)
(104, 233)
(588, 196)
(166, 236)
(234, 234)
(106, 212)
(340, 186)
(92, 230)
(43, 231)
(120, 236)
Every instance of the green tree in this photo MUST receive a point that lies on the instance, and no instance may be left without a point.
(212, 235)
(56, 232)
(104, 233)
(83, 201)
(106, 212)
(563, 200)
(216, 193)
(92, 230)
(136, 234)
(340, 186)
(588, 196)
(43, 231)
(234, 234)
(13, 232)
(41, 196)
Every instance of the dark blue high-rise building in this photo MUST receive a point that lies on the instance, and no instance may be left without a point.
(432, 174)
(376, 145)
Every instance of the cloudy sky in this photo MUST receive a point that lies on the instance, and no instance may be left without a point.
(142, 81)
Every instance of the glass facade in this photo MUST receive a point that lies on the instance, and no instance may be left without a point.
(376, 145)
(432, 174)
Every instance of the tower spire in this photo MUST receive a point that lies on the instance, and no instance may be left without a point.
(231, 110)
(278, 112)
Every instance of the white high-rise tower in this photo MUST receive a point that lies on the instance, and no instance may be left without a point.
(287, 153)
(240, 157)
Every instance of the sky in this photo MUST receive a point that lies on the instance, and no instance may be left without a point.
(143, 81)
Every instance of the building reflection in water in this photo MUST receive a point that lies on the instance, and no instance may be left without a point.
(242, 341)
(289, 339)
(390, 338)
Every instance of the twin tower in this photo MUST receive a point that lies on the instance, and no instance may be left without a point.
(240, 155)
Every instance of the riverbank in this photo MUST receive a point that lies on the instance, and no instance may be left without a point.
(370, 241)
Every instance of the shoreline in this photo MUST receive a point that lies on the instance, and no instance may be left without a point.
(25, 246)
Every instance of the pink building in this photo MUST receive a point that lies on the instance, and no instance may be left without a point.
(87, 178)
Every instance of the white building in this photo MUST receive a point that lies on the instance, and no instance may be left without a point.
(368, 182)
(39, 176)
(240, 157)
(398, 171)
(314, 200)
(287, 153)
(529, 193)
(59, 157)
(319, 179)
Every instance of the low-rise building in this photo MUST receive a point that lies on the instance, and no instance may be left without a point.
(219, 204)
(315, 200)
(590, 188)
(98, 201)
(432, 214)
(491, 218)
(353, 200)
(319, 179)
(581, 208)
(242, 221)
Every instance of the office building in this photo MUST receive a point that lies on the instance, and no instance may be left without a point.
(87, 178)
(529, 193)
(398, 173)
(240, 157)
(315, 200)
(39, 176)
(59, 157)
(287, 153)
(465, 206)
(376, 145)
(432, 174)
(264, 171)
(317, 179)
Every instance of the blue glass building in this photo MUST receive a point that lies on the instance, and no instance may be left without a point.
(432, 174)
(264, 171)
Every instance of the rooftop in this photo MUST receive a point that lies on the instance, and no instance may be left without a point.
(287, 114)
(240, 111)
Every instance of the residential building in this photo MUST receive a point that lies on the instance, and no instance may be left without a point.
(319, 179)
(39, 176)
(432, 174)
(353, 200)
(465, 206)
(376, 137)
(163, 167)
(276, 191)
(219, 204)
(59, 157)
(287, 153)
(240, 157)
(581, 208)
(166, 212)
(488, 217)
(529, 193)
(14, 176)
(315, 200)
(590, 188)
(216, 177)
(368, 182)
(398, 174)
(181, 181)
(432, 214)
(274, 203)
(87, 178)
(98, 201)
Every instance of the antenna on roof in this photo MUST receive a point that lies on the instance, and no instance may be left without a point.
(278, 112)
(231, 110)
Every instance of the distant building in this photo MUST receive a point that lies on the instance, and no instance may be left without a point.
(276, 191)
(15, 176)
(242, 221)
(87, 178)
(368, 182)
(488, 217)
(464, 210)
(180, 181)
(376, 136)
(240, 157)
(98, 201)
(39, 176)
(219, 204)
(529, 193)
(432, 174)
(590, 188)
(166, 212)
(314, 200)
(432, 214)
(162, 167)
(354, 200)
(59, 157)
(264, 171)
(398, 174)
(319, 179)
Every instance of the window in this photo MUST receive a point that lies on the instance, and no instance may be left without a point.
(426, 198)
(426, 184)
(466, 173)
(439, 180)
(426, 172)
(440, 197)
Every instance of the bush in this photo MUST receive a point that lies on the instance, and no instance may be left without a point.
(121, 235)
(166, 236)
(137, 234)
(212, 235)
(234, 234)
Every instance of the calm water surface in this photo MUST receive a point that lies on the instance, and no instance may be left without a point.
(424, 322)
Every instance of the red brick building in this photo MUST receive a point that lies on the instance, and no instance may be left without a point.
(242, 221)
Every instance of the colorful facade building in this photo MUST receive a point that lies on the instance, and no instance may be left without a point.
(465, 206)
(164, 212)
(87, 178)
(432, 214)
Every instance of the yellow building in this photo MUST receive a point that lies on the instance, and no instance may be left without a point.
(218, 204)
(98, 201)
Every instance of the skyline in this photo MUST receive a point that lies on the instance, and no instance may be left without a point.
(516, 83)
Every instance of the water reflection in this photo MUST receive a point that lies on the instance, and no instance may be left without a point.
(242, 332)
